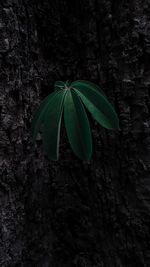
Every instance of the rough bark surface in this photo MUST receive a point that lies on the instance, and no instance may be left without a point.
(73, 213)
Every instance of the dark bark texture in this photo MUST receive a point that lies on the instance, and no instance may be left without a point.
(72, 213)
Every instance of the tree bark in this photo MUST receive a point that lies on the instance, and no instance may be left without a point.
(70, 212)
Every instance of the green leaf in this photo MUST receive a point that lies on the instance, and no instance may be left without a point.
(100, 108)
(71, 97)
(39, 115)
(59, 85)
(88, 84)
(52, 124)
(77, 126)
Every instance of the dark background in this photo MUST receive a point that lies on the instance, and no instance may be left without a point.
(71, 213)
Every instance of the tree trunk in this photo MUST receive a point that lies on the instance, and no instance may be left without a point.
(70, 212)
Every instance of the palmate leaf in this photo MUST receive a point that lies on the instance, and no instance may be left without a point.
(70, 97)
(77, 126)
(101, 110)
(52, 124)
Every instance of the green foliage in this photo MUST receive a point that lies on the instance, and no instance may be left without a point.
(77, 125)
(71, 98)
